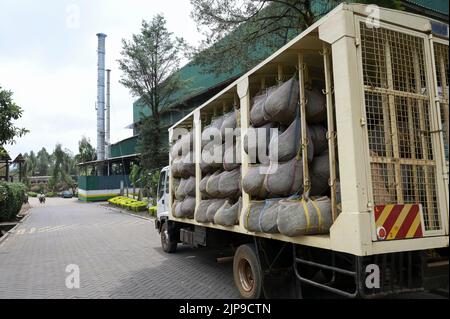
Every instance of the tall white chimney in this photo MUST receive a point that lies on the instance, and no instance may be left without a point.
(108, 114)
(101, 97)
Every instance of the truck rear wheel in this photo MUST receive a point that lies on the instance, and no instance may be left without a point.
(247, 272)
(169, 245)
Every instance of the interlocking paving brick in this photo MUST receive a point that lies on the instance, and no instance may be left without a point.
(119, 256)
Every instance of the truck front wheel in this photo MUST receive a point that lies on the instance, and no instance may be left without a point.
(247, 272)
(169, 245)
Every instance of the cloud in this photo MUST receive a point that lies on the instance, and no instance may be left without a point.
(48, 59)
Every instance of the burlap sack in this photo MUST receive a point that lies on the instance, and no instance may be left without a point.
(203, 183)
(262, 216)
(257, 117)
(179, 191)
(188, 207)
(202, 209)
(316, 107)
(212, 185)
(232, 156)
(213, 208)
(320, 175)
(175, 183)
(282, 104)
(229, 122)
(229, 183)
(183, 144)
(287, 144)
(228, 213)
(260, 136)
(189, 187)
(212, 131)
(186, 167)
(286, 178)
(174, 208)
(253, 182)
(175, 167)
(300, 217)
(212, 157)
(318, 137)
(381, 194)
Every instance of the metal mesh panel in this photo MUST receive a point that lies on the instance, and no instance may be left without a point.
(398, 121)
(441, 61)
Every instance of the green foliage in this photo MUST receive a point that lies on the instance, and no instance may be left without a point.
(51, 194)
(149, 65)
(11, 199)
(86, 153)
(240, 33)
(32, 194)
(9, 112)
(128, 203)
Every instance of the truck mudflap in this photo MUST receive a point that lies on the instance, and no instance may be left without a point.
(362, 277)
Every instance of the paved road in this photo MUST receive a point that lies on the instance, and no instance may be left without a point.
(119, 256)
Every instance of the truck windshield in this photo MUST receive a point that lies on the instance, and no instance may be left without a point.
(161, 184)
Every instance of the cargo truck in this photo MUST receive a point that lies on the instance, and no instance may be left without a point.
(384, 79)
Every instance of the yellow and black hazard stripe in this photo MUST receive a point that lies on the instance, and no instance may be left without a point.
(398, 221)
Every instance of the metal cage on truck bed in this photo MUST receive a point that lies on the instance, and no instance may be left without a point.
(386, 87)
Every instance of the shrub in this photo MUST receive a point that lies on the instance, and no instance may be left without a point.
(128, 203)
(152, 210)
(32, 194)
(50, 194)
(11, 200)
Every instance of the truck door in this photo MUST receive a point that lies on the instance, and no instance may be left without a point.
(162, 197)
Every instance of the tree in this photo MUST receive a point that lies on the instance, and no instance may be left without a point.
(149, 65)
(250, 30)
(86, 152)
(9, 112)
(63, 165)
(44, 162)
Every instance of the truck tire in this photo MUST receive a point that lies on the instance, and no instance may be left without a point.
(247, 272)
(169, 245)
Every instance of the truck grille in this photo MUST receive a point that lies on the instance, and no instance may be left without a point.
(397, 105)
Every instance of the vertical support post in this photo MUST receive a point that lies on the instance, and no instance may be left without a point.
(244, 96)
(304, 140)
(394, 131)
(197, 155)
(280, 74)
(331, 134)
(424, 142)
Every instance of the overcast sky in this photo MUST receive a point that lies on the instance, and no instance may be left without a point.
(48, 59)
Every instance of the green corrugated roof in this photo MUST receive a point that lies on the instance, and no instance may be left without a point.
(440, 6)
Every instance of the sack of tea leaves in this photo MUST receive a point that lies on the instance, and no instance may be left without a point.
(316, 107)
(287, 143)
(262, 216)
(189, 187)
(229, 183)
(212, 157)
(282, 104)
(251, 216)
(285, 179)
(188, 207)
(175, 204)
(301, 217)
(203, 183)
(186, 167)
(253, 182)
(212, 131)
(175, 167)
(229, 122)
(212, 185)
(213, 207)
(255, 138)
(179, 191)
(232, 156)
(318, 137)
(228, 213)
(257, 117)
(175, 183)
(202, 209)
(320, 174)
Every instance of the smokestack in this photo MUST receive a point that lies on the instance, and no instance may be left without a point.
(101, 97)
(108, 114)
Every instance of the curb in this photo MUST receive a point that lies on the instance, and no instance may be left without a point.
(5, 236)
(127, 213)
